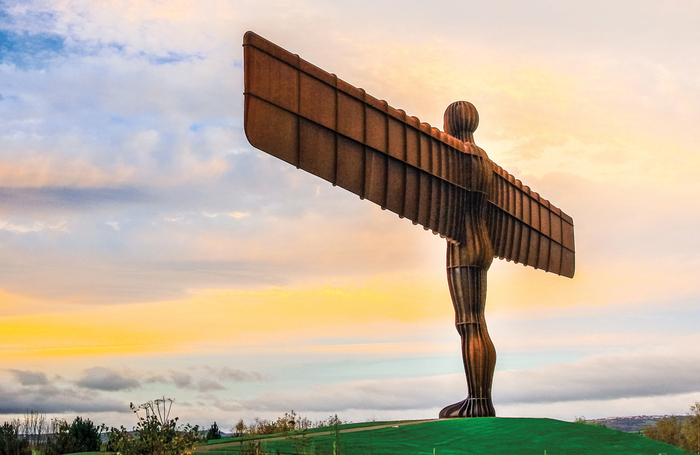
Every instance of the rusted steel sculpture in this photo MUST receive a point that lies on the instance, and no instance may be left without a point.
(440, 180)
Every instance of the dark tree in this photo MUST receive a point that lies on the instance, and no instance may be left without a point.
(213, 432)
(80, 436)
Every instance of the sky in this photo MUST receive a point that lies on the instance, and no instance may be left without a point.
(147, 250)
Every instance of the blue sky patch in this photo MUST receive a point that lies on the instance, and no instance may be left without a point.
(170, 57)
(23, 49)
(208, 123)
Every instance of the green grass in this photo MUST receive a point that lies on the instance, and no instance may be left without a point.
(463, 436)
(93, 453)
(310, 431)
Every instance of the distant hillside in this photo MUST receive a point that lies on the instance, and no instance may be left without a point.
(631, 424)
(489, 435)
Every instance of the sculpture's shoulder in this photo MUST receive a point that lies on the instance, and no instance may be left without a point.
(483, 167)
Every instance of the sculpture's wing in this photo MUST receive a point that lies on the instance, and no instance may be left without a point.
(527, 228)
(319, 123)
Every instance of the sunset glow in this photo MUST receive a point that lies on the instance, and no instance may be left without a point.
(147, 249)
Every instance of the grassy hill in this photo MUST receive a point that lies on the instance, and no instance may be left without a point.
(455, 436)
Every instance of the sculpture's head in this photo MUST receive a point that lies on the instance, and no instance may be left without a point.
(461, 120)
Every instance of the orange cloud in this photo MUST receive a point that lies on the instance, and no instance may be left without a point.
(223, 318)
(542, 114)
(48, 170)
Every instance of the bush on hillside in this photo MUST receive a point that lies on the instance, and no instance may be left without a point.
(152, 437)
(240, 428)
(332, 421)
(80, 436)
(286, 423)
(10, 441)
(667, 430)
(680, 433)
(691, 429)
(583, 420)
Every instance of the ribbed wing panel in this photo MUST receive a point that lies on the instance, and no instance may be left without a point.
(323, 125)
(528, 229)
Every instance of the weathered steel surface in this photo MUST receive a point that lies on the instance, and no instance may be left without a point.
(444, 182)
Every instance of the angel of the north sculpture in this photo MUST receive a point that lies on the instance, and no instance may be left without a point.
(440, 180)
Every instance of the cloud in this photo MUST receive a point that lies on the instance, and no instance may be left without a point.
(185, 381)
(53, 169)
(236, 375)
(394, 394)
(209, 385)
(28, 378)
(602, 377)
(158, 379)
(18, 228)
(68, 198)
(52, 399)
(147, 124)
(182, 380)
(99, 378)
(610, 378)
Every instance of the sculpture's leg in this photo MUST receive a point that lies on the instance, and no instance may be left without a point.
(468, 290)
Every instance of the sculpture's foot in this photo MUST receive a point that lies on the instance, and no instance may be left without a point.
(470, 407)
